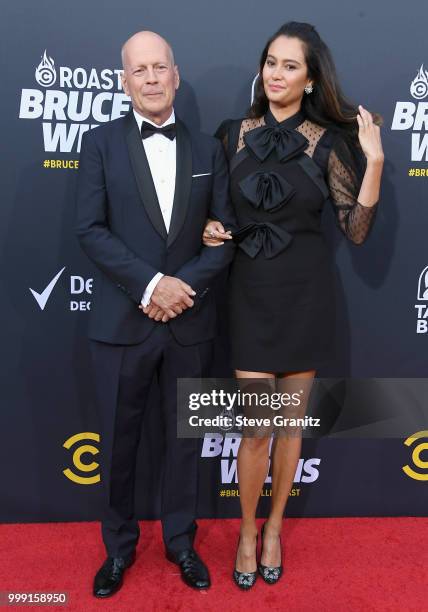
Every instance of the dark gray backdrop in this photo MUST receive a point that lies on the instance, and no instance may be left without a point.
(46, 383)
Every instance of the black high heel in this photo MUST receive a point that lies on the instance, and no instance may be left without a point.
(271, 575)
(245, 580)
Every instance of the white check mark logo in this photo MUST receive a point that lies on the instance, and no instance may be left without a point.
(43, 297)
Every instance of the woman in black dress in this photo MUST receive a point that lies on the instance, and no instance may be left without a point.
(301, 145)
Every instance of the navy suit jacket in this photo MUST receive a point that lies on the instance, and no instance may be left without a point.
(120, 227)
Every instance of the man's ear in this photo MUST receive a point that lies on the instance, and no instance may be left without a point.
(176, 77)
(124, 82)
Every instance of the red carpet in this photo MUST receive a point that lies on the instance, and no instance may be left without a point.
(331, 565)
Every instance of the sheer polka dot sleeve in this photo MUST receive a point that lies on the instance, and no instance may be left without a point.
(354, 219)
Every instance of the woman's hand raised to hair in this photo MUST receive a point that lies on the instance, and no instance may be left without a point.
(369, 137)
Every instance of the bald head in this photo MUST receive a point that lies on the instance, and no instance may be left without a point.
(139, 42)
(150, 76)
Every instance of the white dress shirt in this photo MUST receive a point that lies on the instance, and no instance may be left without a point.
(161, 156)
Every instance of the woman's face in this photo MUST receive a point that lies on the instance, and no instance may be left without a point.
(285, 73)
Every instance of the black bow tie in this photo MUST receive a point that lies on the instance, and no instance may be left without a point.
(147, 130)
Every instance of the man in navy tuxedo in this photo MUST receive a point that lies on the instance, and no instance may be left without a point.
(146, 186)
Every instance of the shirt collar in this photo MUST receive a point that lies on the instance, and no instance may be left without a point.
(140, 118)
(290, 123)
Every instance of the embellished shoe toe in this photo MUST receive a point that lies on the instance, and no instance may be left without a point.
(270, 575)
(245, 580)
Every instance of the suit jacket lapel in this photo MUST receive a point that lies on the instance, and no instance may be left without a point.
(183, 181)
(143, 176)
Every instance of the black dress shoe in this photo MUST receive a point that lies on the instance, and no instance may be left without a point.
(109, 577)
(193, 570)
(271, 575)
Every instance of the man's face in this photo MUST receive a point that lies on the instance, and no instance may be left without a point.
(150, 77)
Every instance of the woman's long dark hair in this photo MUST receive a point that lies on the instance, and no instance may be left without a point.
(326, 105)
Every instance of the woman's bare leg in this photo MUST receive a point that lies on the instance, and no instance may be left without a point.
(286, 450)
(253, 466)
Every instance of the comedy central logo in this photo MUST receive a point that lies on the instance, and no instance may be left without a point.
(45, 71)
(419, 85)
(81, 100)
(422, 305)
(78, 463)
(414, 115)
(419, 463)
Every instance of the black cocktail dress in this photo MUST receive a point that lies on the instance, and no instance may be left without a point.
(281, 286)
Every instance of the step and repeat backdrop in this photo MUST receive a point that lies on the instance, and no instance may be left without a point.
(61, 76)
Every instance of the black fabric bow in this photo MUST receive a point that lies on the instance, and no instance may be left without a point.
(257, 236)
(267, 189)
(147, 130)
(263, 140)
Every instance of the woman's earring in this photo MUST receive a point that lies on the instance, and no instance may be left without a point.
(309, 89)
